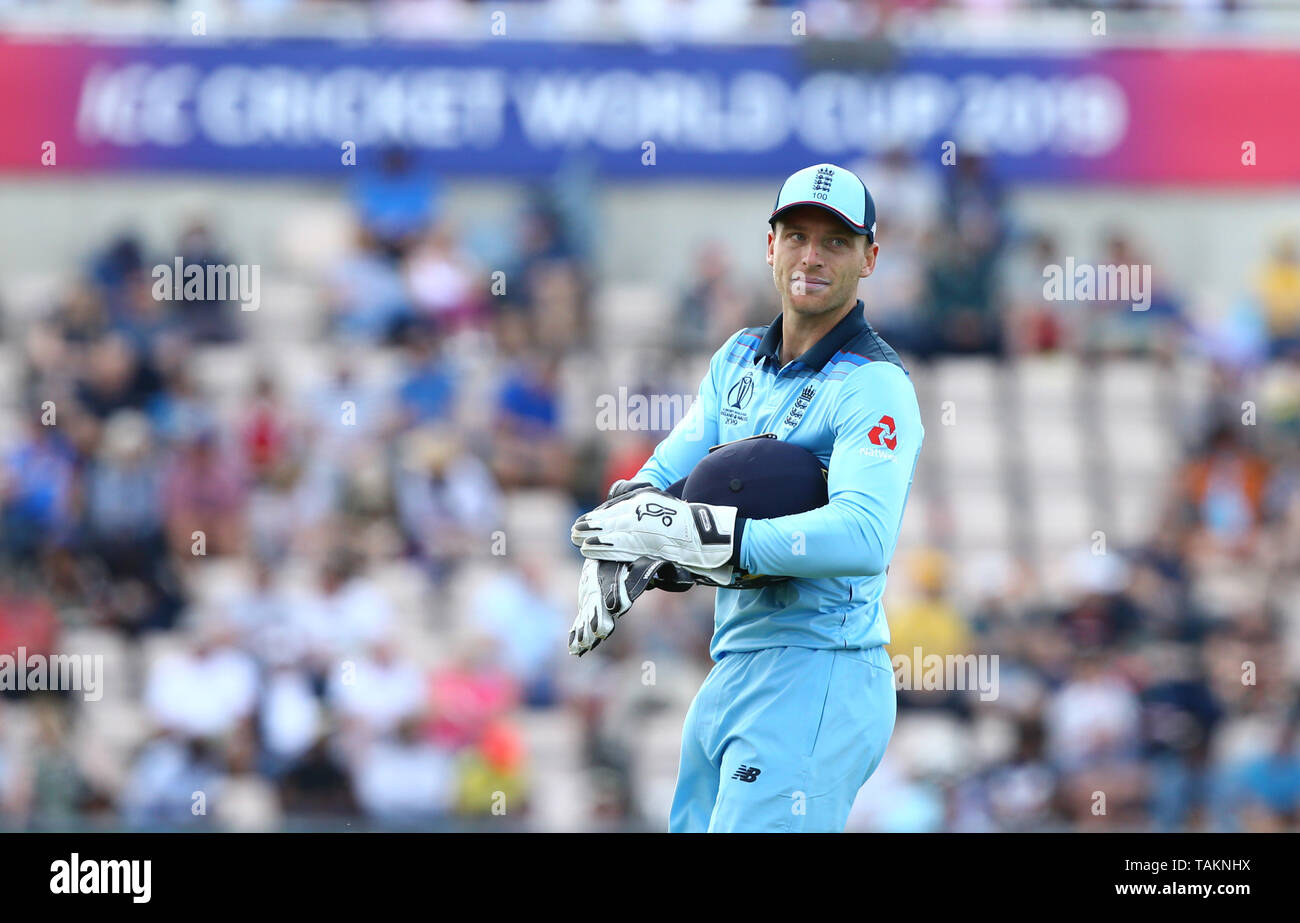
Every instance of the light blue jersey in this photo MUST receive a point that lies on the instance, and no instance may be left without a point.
(850, 402)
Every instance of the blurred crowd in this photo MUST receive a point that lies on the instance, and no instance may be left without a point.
(648, 20)
(1136, 699)
(328, 608)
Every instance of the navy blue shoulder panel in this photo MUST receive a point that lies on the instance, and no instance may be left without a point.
(870, 345)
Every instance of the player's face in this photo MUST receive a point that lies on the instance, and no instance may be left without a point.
(817, 261)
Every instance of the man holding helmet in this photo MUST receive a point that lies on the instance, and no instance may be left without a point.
(794, 517)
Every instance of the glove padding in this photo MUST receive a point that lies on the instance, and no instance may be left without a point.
(647, 521)
(607, 589)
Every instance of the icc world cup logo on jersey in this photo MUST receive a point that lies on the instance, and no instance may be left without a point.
(738, 397)
(741, 392)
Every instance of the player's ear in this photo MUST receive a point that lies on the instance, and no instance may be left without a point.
(771, 252)
(869, 260)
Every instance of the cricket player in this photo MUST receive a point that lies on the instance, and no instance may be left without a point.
(800, 703)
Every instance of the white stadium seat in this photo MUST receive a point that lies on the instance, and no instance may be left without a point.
(1137, 504)
(975, 445)
(980, 520)
(1046, 385)
(313, 239)
(631, 314)
(1138, 447)
(1129, 388)
(965, 381)
(1056, 447)
(1062, 518)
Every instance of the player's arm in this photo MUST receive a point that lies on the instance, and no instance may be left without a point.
(694, 433)
(867, 485)
(607, 589)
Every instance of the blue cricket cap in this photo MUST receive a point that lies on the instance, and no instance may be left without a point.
(833, 188)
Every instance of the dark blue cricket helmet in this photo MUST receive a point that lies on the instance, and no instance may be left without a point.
(763, 478)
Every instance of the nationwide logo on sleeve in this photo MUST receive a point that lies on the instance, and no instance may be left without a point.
(884, 437)
(883, 433)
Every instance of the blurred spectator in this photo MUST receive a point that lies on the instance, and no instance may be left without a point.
(81, 318)
(959, 312)
(529, 447)
(905, 190)
(291, 719)
(427, 392)
(628, 451)
(1022, 791)
(469, 693)
(1093, 718)
(1034, 324)
(928, 626)
(121, 258)
(180, 411)
(714, 306)
(1179, 715)
(27, 621)
(203, 490)
(376, 692)
(958, 315)
(367, 298)
(546, 288)
(491, 774)
(1122, 327)
(1266, 790)
(974, 203)
(207, 690)
(37, 491)
(515, 609)
(57, 788)
(447, 502)
(1279, 295)
(166, 774)
(318, 785)
(263, 621)
(206, 320)
(406, 780)
(342, 615)
(559, 305)
(124, 517)
(244, 801)
(396, 202)
(114, 379)
(267, 433)
(1223, 491)
(1100, 614)
(447, 289)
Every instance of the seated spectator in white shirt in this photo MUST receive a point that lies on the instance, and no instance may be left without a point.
(205, 691)
(344, 616)
(405, 779)
(374, 694)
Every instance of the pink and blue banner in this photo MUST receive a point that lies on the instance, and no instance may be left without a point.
(520, 109)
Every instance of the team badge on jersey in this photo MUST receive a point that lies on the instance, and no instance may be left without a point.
(800, 405)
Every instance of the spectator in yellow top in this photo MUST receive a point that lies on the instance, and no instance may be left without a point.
(930, 621)
(1279, 296)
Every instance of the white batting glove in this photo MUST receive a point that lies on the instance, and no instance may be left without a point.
(606, 591)
(650, 522)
